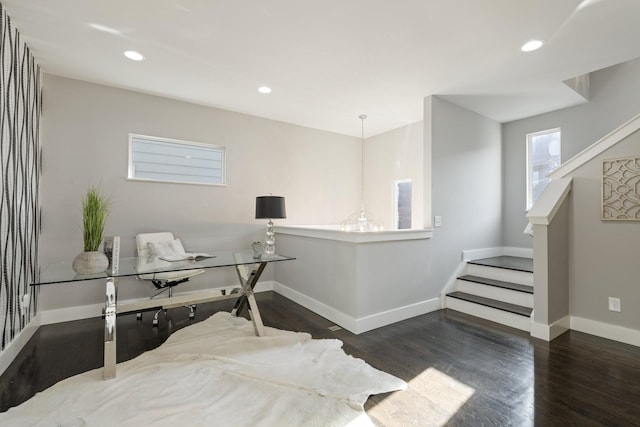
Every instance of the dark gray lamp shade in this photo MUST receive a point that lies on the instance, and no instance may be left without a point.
(270, 207)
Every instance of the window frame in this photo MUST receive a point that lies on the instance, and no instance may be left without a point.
(529, 202)
(396, 194)
(156, 139)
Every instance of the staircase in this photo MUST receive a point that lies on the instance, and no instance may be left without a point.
(499, 289)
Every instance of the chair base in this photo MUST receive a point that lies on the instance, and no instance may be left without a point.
(155, 321)
(163, 287)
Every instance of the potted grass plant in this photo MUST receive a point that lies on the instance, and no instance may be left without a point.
(95, 209)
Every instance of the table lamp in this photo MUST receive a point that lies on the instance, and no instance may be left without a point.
(270, 207)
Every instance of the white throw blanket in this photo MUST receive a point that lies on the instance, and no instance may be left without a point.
(217, 373)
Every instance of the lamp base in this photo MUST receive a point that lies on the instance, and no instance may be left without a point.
(270, 240)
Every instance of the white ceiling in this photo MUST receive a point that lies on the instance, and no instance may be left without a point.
(330, 61)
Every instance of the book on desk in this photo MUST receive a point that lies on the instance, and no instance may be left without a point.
(189, 256)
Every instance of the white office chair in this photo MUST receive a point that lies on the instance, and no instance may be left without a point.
(152, 246)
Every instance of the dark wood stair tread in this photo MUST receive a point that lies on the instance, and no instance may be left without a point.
(506, 262)
(488, 302)
(498, 283)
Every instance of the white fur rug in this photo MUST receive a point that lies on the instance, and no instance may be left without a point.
(217, 373)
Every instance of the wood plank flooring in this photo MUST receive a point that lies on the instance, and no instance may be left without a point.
(461, 371)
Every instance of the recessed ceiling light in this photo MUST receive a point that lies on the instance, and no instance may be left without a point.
(531, 45)
(133, 55)
(264, 89)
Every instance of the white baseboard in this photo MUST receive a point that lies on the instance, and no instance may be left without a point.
(472, 254)
(496, 293)
(339, 318)
(550, 332)
(95, 310)
(364, 324)
(265, 286)
(388, 317)
(606, 330)
(588, 326)
(11, 351)
(68, 314)
(519, 252)
(499, 316)
(514, 276)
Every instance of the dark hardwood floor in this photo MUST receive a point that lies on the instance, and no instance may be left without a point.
(461, 371)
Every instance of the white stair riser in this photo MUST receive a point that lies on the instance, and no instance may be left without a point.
(513, 276)
(505, 295)
(503, 317)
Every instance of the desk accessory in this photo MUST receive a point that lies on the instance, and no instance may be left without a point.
(95, 209)
(270, 207)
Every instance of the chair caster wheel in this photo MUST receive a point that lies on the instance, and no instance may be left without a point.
(139, 316)
(155, 323)
(192, 316)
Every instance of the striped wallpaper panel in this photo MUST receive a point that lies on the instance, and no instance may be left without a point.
(20, 109)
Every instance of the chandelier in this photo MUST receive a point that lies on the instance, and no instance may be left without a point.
(362, 220)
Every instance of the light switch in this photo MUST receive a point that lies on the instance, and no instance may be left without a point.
(614, 304)
(437, 221)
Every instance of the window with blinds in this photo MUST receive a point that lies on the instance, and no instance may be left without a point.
(170, 160)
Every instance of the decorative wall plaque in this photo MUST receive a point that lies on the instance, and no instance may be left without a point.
(621, 189)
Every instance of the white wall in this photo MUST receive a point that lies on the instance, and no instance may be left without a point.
(604, 255)
(85, 140)
(466, 181)
(390, 156)
(615, 99)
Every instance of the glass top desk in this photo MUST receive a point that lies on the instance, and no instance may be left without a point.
(249, 270)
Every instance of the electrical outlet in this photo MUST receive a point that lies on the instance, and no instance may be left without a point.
(437, 221)
(614, 304)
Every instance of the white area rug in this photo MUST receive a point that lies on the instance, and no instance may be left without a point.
(217, 373)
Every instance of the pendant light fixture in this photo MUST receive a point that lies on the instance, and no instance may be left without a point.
(362, 220)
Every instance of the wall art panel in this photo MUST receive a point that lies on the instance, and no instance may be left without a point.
(21, 101)
(621, 189)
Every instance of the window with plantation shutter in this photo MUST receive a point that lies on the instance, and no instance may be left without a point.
(169, 160)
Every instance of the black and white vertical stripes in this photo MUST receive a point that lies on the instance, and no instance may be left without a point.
(20, 108)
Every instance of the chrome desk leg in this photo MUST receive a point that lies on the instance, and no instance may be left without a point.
(258, 327)
(247, 296)
(110, 330)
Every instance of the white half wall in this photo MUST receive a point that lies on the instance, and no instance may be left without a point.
(358, 285)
